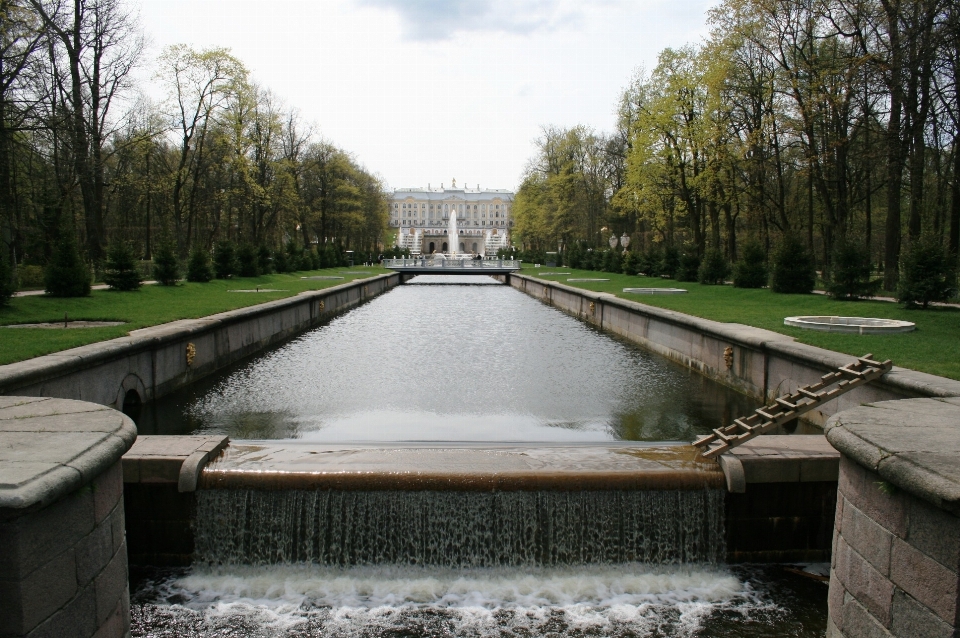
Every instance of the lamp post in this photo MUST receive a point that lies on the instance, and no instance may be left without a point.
(624, 241)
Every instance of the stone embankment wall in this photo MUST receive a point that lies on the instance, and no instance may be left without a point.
(152, 362)
(760, 363)
(63, 555)
(896, 544)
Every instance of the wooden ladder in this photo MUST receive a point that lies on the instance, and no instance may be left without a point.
(788, 407)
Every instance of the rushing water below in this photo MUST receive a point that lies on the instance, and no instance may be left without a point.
(625, 600)
(452, 363)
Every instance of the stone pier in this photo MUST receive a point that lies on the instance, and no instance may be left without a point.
(63, 558)
(896, 543)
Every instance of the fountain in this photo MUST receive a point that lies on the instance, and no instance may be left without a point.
(453, 237)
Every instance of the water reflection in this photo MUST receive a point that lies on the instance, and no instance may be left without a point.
(456, 363)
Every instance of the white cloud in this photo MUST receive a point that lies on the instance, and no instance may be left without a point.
(379, 81)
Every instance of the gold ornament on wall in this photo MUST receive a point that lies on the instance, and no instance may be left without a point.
(191, 353)
(728, 356)
(593, 308)
(321, 305)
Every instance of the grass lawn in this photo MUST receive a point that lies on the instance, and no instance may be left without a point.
(933, 347)
(149, 306)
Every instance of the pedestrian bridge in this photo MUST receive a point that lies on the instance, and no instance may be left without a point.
(435, 266)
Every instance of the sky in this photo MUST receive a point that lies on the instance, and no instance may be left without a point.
(424, 91)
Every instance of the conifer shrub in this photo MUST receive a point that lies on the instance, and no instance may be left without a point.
(198, 268)
(794, 271)
(689, 266)
(315, 261)
(612, 261)
(574, 256)
(632, 260)
(750, 271)
(294, 256)
(850, 278)
(166, 268)
(280, 262)
(7, 287)
(248, 261)
(120, 271)
(671, 261)
(67, 275)
(714, 268)
(926, 274)
(653, 261)
(265, 259)
(224, 259)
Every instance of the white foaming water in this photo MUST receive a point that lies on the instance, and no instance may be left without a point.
(625, 599)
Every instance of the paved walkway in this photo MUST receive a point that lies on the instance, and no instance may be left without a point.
(36, 293)
(892, 300)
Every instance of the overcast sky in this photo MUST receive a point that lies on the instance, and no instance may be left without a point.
(423, 91)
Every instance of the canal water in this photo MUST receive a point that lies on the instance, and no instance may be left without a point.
(431, 361)
(462, 361)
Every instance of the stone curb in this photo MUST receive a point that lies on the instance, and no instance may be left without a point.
(903, 381)
(912, 443)
(37, 467)
(39, 369)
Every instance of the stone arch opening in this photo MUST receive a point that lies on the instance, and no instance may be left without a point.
(132, 404)
(444, 249)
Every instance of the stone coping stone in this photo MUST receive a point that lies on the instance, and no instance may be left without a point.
(909, 383)
(51, 447)
(174, 459)
(38, 369)
(912, 443)
(443, 466)
(780, 458)
(656, 291)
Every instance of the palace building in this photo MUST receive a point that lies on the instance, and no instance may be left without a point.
(422, 216)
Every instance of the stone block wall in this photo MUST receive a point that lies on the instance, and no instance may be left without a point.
(896, 544)
(895, 561)
(63, 568)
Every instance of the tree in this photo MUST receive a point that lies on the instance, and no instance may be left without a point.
(926, 274)
(225, 260)
(166, 268)
(199, 269)
(121, 271)
(67, 275)
(793, 267)
(850, 278)
(714, 268)
(751, 270)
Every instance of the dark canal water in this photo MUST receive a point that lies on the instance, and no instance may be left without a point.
(452, 363)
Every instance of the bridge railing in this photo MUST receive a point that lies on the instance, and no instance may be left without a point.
(451, 264)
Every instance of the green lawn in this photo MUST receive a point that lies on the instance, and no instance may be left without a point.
(934, 347)
(149, 306)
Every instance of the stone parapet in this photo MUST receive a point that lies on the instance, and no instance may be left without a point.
(759, 363)
(157, 360)
(896, 546)
(63, 564)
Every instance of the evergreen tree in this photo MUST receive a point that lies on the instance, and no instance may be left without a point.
(280, 263)
(751, 270)
(198, 268)
(671, 261)
(689, 267)
(265, 258)
(793, 269)
(166, 268)
(67, 275)
(224, 259)
(7, 287)
(925, 274)
(121, 272)
(850, 278)
(248, 261)
(714, 268)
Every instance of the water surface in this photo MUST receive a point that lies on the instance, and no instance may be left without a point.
(462, 362)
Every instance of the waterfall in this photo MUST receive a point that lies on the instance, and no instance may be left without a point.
(459, 529)
(453, 236)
